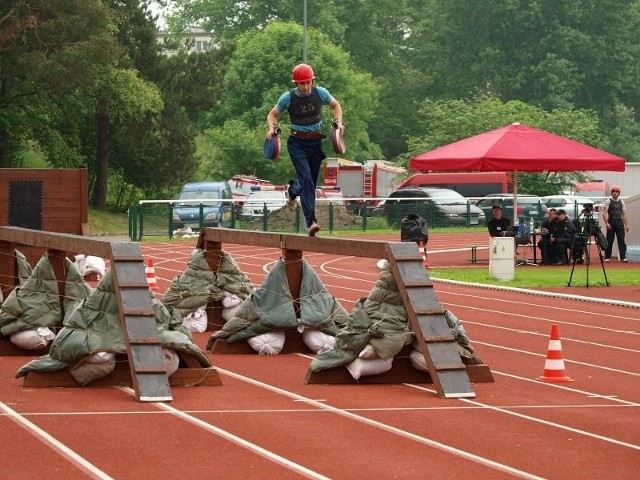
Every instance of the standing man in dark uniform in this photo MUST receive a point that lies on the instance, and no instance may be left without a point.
(304, 104)
(499, 226)
(615, 219)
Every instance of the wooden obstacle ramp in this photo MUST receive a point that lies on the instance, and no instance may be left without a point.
(146, 370)
(450, 376)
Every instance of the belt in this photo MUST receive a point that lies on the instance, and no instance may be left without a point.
(308, 135)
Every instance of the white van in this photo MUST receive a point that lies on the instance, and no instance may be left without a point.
(273, 198)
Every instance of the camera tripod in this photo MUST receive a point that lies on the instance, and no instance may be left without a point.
(586, 231)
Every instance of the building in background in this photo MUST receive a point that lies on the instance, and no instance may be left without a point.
(196, 40)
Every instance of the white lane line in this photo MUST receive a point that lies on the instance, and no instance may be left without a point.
(566, 387)
(538, 334)
(451, 408)
(566, 360)
(541, 293)
(58, 446)
(237, 440)
(426, 441)
(539, 420)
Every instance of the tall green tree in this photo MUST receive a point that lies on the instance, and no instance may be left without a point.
(259, 72)
(574, 53)
(448, 121)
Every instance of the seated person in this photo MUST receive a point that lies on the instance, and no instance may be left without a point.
(544, 244)
(524, 233)
(562, 235)
(499, 226)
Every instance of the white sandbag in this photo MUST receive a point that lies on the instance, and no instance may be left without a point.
(196, 321)
(268, 343)
(84, 372)
(362, 368)
(231, 301)
(382, 263)
(229, 312)
(171, 360)
(87, 264)
(100, 357)
(368, 352)
(317, 341)
(417, 361)
(29, 339)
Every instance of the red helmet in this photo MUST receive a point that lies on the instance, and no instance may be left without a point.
(302, 73)
(616, 188)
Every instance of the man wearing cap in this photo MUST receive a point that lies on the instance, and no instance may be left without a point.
(304, 104)
(498, 226)
(614, 215)
(562, 233)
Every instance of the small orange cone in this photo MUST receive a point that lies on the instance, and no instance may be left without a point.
(150, 271)
(423, 252)
(554, 365)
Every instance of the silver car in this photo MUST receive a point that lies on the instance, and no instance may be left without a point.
(571, 204)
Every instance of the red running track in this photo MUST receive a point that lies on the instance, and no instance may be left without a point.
(264, 422)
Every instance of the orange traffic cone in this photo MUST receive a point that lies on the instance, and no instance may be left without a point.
(423, 252)
(150, 271)
(554, 365)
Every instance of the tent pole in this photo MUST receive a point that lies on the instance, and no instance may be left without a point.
(515, 198)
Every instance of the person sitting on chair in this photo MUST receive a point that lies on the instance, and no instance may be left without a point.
(524, 233)
(561, 237)
(499, 226)
(544, 244)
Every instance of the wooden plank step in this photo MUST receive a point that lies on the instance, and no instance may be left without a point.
(408, 258)
(139, 369)
(144, 341)
(436, 339)
(419, 283)
(429, 312)
(453, 366)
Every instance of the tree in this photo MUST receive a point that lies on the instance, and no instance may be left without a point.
(451, 120)
(259, 72)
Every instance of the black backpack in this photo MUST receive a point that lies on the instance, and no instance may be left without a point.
(413, 228)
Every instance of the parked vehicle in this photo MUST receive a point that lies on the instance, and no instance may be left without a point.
(467, 184)
(529, 206)
(571, 204)
(438, 206)
(333, 194)
(597, 191)
(271, 197)
(364, 182)
(199, 205)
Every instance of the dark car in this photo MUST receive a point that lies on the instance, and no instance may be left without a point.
(205, 195)
(438, 206)
(529, 206)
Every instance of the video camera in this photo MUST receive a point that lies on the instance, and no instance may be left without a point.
(587, 208)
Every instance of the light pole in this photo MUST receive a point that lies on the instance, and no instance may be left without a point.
(304, 34)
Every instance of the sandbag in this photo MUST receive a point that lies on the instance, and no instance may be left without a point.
(171, 360)
(196, 321)
(32, 339)
(368, 352)
(270, 343)
(100, 357)
(360, 367)
(317, 341)
(85, 372)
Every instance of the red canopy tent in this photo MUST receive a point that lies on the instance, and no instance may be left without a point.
(517, 148)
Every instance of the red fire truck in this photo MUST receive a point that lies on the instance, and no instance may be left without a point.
(362, 183)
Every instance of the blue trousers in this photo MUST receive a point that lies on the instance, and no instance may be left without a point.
(306, 156)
